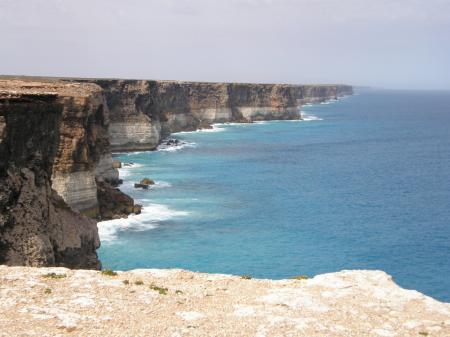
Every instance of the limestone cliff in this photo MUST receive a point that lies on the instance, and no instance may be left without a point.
(144, 112)
(38, 130)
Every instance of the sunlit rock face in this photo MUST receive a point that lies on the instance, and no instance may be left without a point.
(142, 113)
(45, 133)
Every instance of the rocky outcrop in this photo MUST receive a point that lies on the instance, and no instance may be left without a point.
(181, 303)
(144, 112)
(113, 203)
(37, 226)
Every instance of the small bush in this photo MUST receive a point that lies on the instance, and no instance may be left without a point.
(126, 282)
(47, 291)
(246, 277)
(300, 277)
(109, 272)
(55, 276)
(139, 282)
(162, 291)
(178, 292)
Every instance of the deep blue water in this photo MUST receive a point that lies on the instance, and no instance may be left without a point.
(366, 187)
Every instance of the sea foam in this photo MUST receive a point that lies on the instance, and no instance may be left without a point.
(151, 216)
(308, 117)
(174, 148)
(216, 127)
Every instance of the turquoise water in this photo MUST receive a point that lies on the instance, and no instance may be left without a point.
(364, 185)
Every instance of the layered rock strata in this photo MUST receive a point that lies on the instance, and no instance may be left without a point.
(144, 112)
(55, 301)
(43, 136)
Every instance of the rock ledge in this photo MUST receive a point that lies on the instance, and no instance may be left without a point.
(181, 303)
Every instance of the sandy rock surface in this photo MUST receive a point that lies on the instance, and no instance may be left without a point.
(35, 302)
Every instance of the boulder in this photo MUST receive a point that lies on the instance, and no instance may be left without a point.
(147, 181)
(113, 203)
(137, 209)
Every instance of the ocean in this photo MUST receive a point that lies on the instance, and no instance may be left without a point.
(361, 183)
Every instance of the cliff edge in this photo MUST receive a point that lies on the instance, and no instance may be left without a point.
(57, 301)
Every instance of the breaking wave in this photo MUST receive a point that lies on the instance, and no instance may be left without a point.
(151, 216)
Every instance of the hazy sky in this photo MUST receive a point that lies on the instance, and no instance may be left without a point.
(388, 43)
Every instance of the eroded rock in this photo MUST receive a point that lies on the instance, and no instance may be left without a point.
(176, 302)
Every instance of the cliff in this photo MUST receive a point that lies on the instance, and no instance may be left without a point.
(44, 134)
(56, 301)
(144, 112)
(56, 138)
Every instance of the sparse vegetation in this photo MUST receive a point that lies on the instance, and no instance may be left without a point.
(300, 277)
(138, 282)
(126, 282)
(423, 333)
(55, 276)
(246, 277)
(178, 292)
(109, 272)
(47, 291)
(161, 290)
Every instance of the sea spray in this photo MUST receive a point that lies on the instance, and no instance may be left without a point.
(150, 217)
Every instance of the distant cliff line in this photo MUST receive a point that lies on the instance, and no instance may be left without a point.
(57, 137)
(144, 112)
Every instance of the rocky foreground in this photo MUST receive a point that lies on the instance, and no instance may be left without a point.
(59, 301)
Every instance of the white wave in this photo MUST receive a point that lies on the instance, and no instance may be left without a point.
(123, 173)
(131, 153)
(235, 124)
(161, 184)
(216, 127)
(126, 169)
(131, 165)
(150, 217)
(173, 148)
(307, 117)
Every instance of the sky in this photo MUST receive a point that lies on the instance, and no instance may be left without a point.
(402, 44)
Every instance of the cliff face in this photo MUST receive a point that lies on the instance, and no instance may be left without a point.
(144, 112)
(39, 139)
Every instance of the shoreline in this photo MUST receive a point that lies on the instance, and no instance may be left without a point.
(132, 220)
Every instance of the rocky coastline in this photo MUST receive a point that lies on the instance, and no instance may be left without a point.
(143, 113)
(57, 137)
(57, 178)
